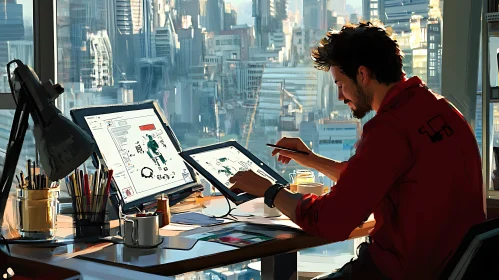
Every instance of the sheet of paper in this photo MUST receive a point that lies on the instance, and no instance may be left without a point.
(279, 222)
(179, 227)
(137, 147)
(195, 219)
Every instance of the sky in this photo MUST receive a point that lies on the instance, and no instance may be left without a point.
(243, 8)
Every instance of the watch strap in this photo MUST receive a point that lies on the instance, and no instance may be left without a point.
(271, 193)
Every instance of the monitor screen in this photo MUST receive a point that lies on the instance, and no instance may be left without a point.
(225, 162)
(140, 152)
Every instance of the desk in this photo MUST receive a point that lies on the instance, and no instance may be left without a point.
(279, 257)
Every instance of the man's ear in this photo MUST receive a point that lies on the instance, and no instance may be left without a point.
(363, 75)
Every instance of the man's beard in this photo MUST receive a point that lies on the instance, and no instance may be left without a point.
(362, 104)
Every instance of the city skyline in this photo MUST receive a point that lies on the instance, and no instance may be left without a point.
(240, 5)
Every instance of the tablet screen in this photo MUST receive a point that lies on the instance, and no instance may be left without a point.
(225, 162)
(138, 149)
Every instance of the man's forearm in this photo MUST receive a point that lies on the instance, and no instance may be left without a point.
(330, 168)
(286, 201)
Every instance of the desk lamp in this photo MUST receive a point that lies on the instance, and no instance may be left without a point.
(63, 146)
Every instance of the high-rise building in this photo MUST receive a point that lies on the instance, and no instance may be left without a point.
(97, 61)
(147, 28)
(281, 13)
(434, 45)
(249, 78)
(397, 13)
(299, 83)
(160, 10)
(196, 9)
(245, 32)
(155, 75)
(128, 22)
(230, 16)
(215, 11)
(315, 14)
(337, 139)
(372, 10)
(264, 14)
(191, 52)
(165, 42)
(11, 27)
(129, 16)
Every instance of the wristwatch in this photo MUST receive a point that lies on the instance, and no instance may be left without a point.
(271, 193)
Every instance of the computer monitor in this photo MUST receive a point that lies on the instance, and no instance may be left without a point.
(137, 143)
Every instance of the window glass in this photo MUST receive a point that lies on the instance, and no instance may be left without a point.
(16, 42)
(220, 72)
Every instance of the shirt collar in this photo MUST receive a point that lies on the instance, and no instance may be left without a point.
(397, 88)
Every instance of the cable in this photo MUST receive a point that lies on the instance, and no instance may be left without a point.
(228, 214)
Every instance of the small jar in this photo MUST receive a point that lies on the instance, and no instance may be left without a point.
(37, 213)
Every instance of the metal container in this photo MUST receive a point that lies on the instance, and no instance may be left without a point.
(141, 231)
(37, 212)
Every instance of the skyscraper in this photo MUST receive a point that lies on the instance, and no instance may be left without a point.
(11, 27)
(397, 13)
(215, 12)
(434, 33)
(264, 14)
(129, 21)
(315, 14)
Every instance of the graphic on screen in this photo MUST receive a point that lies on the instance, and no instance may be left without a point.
(136, 146)
(225, 162)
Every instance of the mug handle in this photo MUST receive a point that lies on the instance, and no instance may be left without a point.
(133, 233)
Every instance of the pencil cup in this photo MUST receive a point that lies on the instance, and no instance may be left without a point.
(37, 212)
(90, 217)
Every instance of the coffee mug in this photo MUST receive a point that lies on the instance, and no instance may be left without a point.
(302, 176)
(315, 188)
(142, 231)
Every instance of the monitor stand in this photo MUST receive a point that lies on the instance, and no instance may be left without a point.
(118, 238)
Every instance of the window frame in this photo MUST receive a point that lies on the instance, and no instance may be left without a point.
(45, 57)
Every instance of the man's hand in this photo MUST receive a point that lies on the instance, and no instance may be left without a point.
(296, 144)
(250, 182)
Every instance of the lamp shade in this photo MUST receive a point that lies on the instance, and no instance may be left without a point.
(63, 146)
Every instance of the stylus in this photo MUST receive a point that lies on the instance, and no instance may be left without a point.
(287, 149)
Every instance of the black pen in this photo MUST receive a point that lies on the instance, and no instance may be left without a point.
(29, 173)
(287, 149)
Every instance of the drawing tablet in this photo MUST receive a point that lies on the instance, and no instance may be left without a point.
(219, 162)
(136, 141)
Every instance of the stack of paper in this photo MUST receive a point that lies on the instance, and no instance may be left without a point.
(195, 219)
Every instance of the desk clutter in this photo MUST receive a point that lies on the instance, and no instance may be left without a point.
(89, 196)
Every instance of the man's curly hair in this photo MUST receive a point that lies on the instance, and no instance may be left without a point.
(360, 45)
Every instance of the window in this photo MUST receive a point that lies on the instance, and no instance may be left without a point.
(16, 42)
(16, 36)
(184, 60)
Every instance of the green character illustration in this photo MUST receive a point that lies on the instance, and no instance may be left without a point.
(226, 170)
(153, 150)
(222, 159)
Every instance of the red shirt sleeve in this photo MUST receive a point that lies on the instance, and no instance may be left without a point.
(382, 156)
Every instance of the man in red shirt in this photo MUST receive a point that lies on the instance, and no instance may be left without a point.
(417, 166)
